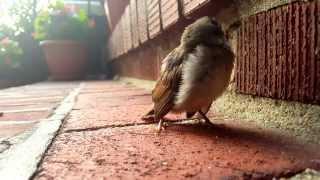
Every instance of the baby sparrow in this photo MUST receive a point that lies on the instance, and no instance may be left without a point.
(195, 73)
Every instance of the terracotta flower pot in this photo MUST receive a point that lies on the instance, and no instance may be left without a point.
(67, 60)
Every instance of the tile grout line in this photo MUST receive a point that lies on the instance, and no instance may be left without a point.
(22, 161)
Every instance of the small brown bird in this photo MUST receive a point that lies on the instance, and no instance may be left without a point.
(195, 73)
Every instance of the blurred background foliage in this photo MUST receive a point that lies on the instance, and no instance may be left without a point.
(60, 22)
(23, 23)
(20, 52)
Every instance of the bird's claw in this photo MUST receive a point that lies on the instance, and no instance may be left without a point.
(161, 126)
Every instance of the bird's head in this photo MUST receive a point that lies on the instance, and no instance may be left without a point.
(206, 31)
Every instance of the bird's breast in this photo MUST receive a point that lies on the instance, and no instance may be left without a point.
(203, 81)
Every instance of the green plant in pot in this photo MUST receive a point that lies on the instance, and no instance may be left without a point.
(63, 33)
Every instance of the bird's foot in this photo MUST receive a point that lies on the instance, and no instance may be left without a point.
(207, 121)
(161, 126)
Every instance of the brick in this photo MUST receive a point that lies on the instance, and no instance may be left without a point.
(154, 18)
(24, 116)
(279, 57)
(11, 130)
(142, 20)
(134, 23)
(182, 152)
(127, 30)
(169, 12)
(190, 6)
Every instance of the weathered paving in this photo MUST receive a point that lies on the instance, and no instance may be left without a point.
(31, 115)
(104, 138)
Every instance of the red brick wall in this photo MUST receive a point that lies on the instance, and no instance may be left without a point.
(150, 18)
(277, 50)
(279, 53)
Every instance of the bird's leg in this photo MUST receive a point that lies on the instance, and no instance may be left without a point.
(160, 125)
(207, 120)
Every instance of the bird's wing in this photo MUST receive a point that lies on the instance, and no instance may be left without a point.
(167, 86)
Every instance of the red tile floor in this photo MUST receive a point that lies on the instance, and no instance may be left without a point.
(103, 137)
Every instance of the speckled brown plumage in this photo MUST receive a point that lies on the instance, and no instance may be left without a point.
(195, 73)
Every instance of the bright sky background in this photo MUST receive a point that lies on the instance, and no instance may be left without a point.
(6, 4)
(4, 17)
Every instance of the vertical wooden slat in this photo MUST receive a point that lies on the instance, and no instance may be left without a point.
(284, 57)
(250, 56)
(317, 52)
(238, 59)
(274, 59)
(242, 62)
(261, 52)
(290, 52)
(255, 56)
(279, 53)
(311, 21)
(304, 75)
(242, 73)
(246, 57)
(296, 50)
(269, 55)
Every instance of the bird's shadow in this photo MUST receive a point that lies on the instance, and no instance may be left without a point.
(246, 134)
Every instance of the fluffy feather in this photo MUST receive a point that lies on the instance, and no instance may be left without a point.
(195, 73)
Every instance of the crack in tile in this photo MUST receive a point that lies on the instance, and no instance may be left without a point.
(126, 125)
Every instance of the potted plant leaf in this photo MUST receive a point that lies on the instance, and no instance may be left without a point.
(63, 33)
(10, 59)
